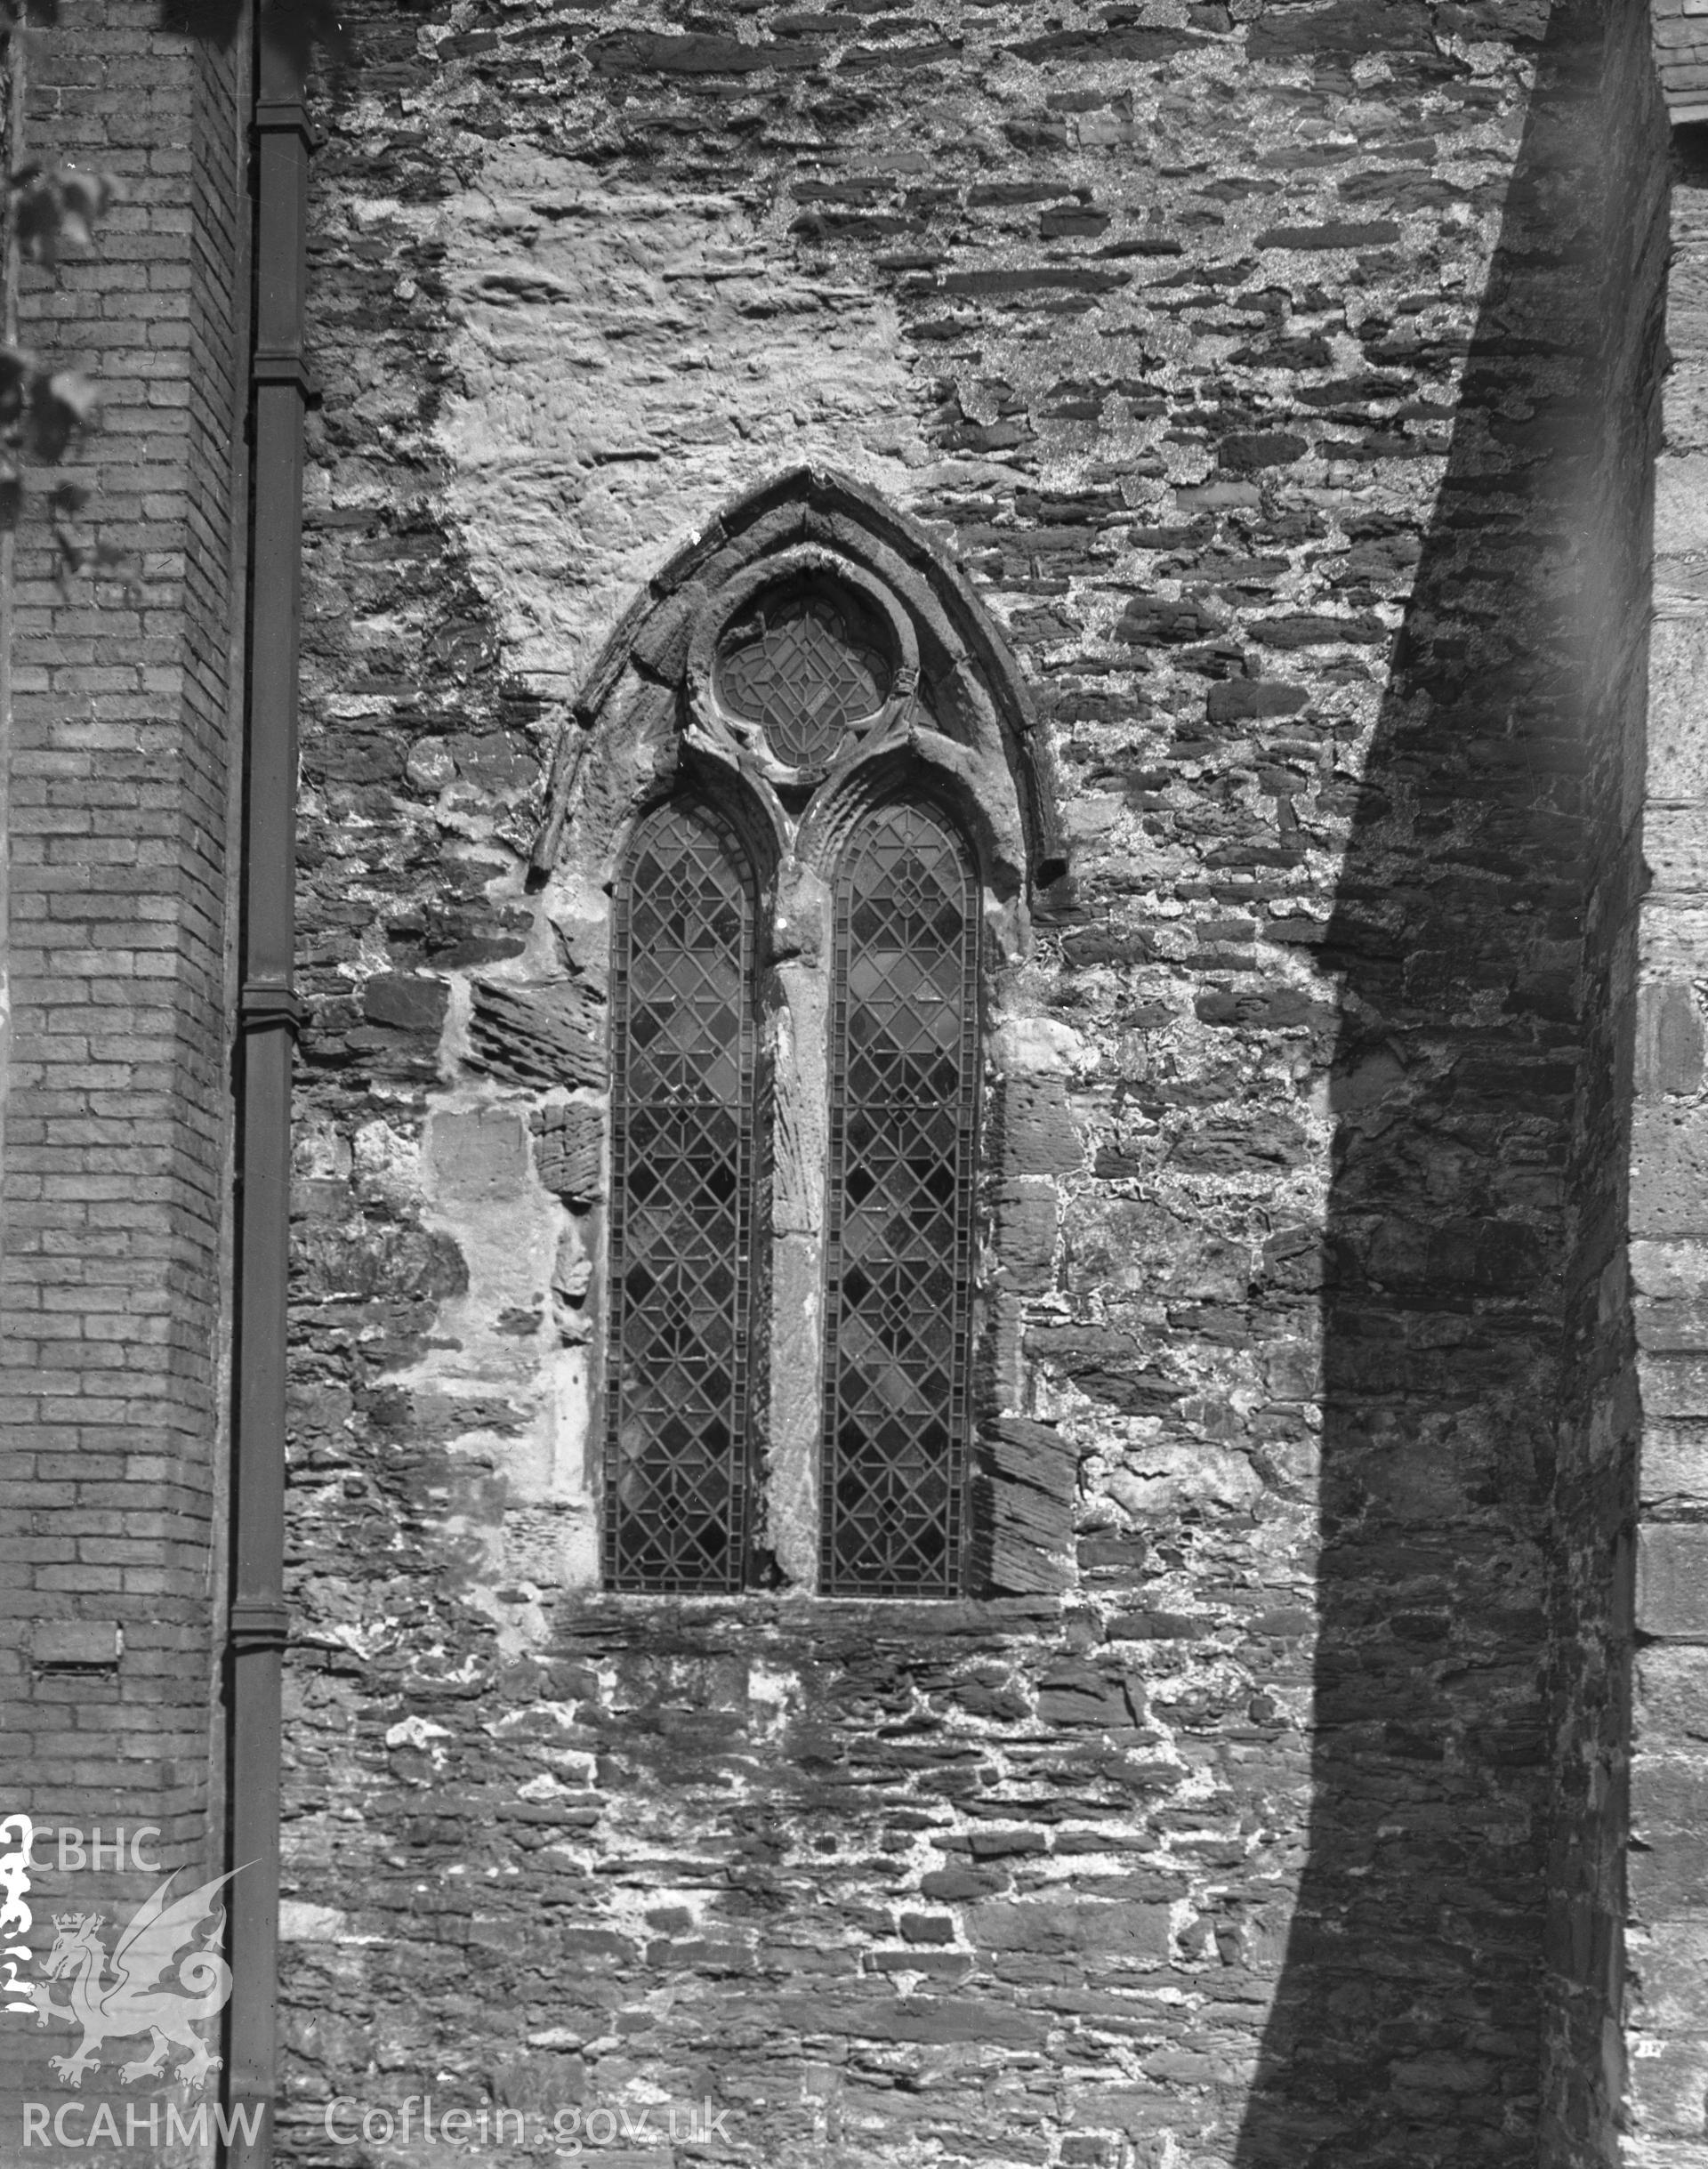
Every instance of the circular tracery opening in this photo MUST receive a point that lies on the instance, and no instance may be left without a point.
(809, 663)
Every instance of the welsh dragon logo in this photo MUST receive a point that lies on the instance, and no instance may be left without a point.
(126, 1993)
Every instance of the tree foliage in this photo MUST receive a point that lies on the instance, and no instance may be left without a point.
(43, 410)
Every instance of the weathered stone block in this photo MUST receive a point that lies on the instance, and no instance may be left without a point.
(406, 1003)
(1071, 1925)
(541, 1035)
(1039, 1134)
(1304, 629)
(1103, 1362)
(398, 1261)
(1681, 506)
(941, 2019)
(1673, 1580)
(1153, 622)
(1670, 1271)
(1337, 234)
(951, 1886)
(1678, 707)
(1239, 700)
(1157, 1627)
(1006, 1844)
(1026, 1215)
(1253, 449)
(1673, 1385)
(1672, 1698)
(1675, 843)
(1669, 1796)
(1669, 1039)
(569, 1150)
(1104, 945)
(478, 1158)
(1024, 1479)
(1669, 1964)
(1080, 1695)
(1669, 1169)
(1674, 1458)
(1669, 1879)
(1668, 2091)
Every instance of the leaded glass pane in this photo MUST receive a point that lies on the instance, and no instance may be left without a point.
(682, 1194)
(904, 1088)
(806, 670)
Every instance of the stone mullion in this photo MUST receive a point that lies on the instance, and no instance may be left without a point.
(798, 1028)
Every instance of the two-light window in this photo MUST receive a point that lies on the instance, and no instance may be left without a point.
(690, 1222)
(806, 798)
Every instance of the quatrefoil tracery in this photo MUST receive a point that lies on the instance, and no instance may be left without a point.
(805, 661)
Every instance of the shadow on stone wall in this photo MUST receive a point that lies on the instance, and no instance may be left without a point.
(1473, 936)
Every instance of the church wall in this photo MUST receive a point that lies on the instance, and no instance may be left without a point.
(1248, 364)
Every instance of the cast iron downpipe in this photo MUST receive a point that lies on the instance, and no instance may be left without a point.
(268, 1018)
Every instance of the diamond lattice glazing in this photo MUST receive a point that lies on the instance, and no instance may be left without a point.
(681, 1211)
(903, 1111)
(805, 678)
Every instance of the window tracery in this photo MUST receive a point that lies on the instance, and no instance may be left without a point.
(807, 667)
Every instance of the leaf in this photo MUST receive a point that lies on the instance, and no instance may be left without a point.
(215, 19)
(50, 209)
(16, 368)
(68, 499)
(36, 220)
(76, 394)
(124, 566)
(60, 407)
(291, 26)
(87, 195)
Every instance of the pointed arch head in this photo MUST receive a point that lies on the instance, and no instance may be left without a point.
(813, 556)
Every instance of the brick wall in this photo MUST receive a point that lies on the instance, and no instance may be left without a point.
(116, 1166)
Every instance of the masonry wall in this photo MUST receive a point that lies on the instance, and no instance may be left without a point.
(116, 1167)
(1668, 1897)
(1281, 379)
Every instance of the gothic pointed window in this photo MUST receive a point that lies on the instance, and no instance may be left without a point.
(806, 772)
(682, 1211)
(903, 1093)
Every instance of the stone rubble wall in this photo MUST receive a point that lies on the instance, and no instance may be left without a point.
(1279, 377)
(1668, 1946)
(1681, 59)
